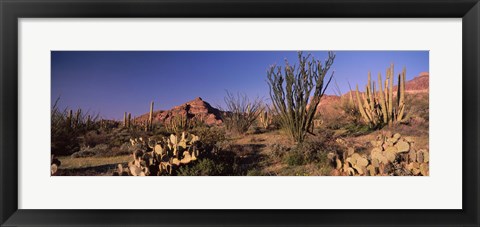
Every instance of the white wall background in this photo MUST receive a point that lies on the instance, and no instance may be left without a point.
(441, 190)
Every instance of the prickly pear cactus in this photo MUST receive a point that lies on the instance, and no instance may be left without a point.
(155, 156)
(390, 155)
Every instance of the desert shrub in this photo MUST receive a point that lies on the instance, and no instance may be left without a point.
(419, 105)
(126, 148)
(255, 172)
(210, 136)
(240, 113)
(98, 150)
(314, 150)
(290, 91)
(204, 167)
(67, 126)
(278, 150)
(63, 139)
(294, 158)
(357, 129)
(92, 138)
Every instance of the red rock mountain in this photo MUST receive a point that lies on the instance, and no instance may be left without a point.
(196, 109)
(418, 84)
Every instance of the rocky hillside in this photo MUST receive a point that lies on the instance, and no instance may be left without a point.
(196, 109)
(418, 84)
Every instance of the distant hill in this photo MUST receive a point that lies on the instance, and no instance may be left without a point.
(196, 109)
(418, 84)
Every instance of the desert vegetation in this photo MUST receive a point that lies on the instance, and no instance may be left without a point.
(298, 130)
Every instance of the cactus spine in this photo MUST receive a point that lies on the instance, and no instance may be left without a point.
(380, 108)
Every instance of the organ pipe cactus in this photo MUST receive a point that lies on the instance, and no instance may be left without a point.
(379, 108)
(265, 119)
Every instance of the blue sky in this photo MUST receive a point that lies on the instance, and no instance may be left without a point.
(112, 82)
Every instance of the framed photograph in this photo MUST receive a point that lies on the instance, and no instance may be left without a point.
(235, 113)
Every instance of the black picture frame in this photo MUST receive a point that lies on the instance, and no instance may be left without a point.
(12, 10)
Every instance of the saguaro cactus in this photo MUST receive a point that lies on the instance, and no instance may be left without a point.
(150, 117)
(89, 121)
(129, 120)
(124, 119)
(380, 108)
(69, 118)
(77, 118)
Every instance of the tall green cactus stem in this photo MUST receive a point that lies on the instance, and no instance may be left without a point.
(150, 118)
(380, 108)
(401, 95)
(390, 95)
(89, 121)
(77, 118)
(129, 120)
(69, 119)
(124, 119)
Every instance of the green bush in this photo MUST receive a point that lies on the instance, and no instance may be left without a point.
(204, 167)
(311, 151)
(294, 158)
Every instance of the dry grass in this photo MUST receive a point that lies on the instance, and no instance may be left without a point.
(79, 163)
